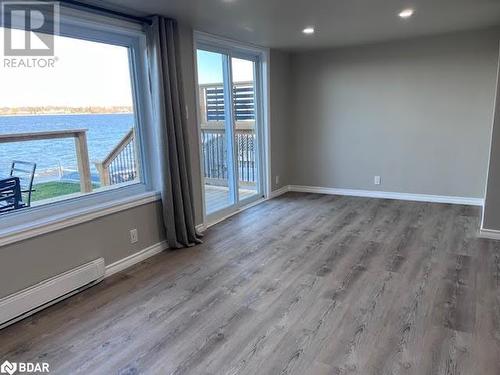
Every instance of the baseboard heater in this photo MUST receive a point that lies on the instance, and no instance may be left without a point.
(37, 297)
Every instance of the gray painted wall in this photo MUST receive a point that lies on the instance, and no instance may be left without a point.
(416, 112)
(28, 262)
(279, 91)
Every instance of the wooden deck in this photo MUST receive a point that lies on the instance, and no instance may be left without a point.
(217, 197)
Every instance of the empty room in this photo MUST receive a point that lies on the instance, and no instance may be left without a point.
(250, 187)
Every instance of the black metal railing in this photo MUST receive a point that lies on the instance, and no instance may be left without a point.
(214, 142)
(120, 165)
(246, 151)
(215, 156)
(124, 167)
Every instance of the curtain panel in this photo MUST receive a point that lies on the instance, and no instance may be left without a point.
(170, 117)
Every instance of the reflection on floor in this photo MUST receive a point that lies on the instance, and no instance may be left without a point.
(217, 197)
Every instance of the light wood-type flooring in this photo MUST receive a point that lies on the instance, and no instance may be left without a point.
(301, 284)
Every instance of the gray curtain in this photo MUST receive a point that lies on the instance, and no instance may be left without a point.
(169, 110)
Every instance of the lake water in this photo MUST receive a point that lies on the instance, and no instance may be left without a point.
(104, 131)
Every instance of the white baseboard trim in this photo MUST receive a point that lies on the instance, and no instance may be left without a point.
(280, 191)
(201, 228)
(355, 193)
(389, 195)
(490, 234)
(135, 258)
(28, 301)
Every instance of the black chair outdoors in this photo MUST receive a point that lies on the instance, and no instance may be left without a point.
(10, 194)
(16, 190)
(25, 171)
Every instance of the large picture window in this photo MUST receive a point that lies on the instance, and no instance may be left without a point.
(73, 132)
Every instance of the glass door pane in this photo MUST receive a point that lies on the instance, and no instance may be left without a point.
(245, 130)
(216, 130)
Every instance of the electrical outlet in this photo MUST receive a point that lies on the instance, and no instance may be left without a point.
(134, 236)
(277, 180)
(376, 180)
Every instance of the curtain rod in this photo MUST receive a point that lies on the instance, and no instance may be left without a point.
(96, 8)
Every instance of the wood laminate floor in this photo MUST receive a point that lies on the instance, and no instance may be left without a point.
(301, 284)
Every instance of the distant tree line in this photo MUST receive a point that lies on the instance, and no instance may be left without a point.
(62, 110)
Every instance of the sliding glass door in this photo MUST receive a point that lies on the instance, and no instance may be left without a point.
(245, 134)
(229, 127)
(215, 131)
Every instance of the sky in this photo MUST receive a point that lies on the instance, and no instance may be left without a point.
(85, 74)
(210, 68)
(91, 74)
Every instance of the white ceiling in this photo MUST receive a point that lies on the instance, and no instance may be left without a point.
(278, 23)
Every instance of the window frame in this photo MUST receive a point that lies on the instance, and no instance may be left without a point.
(33, 221)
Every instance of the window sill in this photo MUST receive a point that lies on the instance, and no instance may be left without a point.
(60, 221)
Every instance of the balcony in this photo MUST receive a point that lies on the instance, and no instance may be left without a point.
(37, 186)
(214, 144)
(119, 164)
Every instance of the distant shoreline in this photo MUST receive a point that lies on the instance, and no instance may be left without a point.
(64, 110)
(63, 114)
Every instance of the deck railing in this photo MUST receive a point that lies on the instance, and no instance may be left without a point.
(213, 132)
(82, 153)
(214, 146)
(120, 165)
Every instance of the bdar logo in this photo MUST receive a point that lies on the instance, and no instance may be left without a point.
(8, 368)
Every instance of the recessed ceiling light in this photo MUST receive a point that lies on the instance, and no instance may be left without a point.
(308, 30)
(406, 13)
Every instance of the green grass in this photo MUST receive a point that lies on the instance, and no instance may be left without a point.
(55, 189)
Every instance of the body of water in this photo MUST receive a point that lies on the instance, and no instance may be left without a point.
(104, 131)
